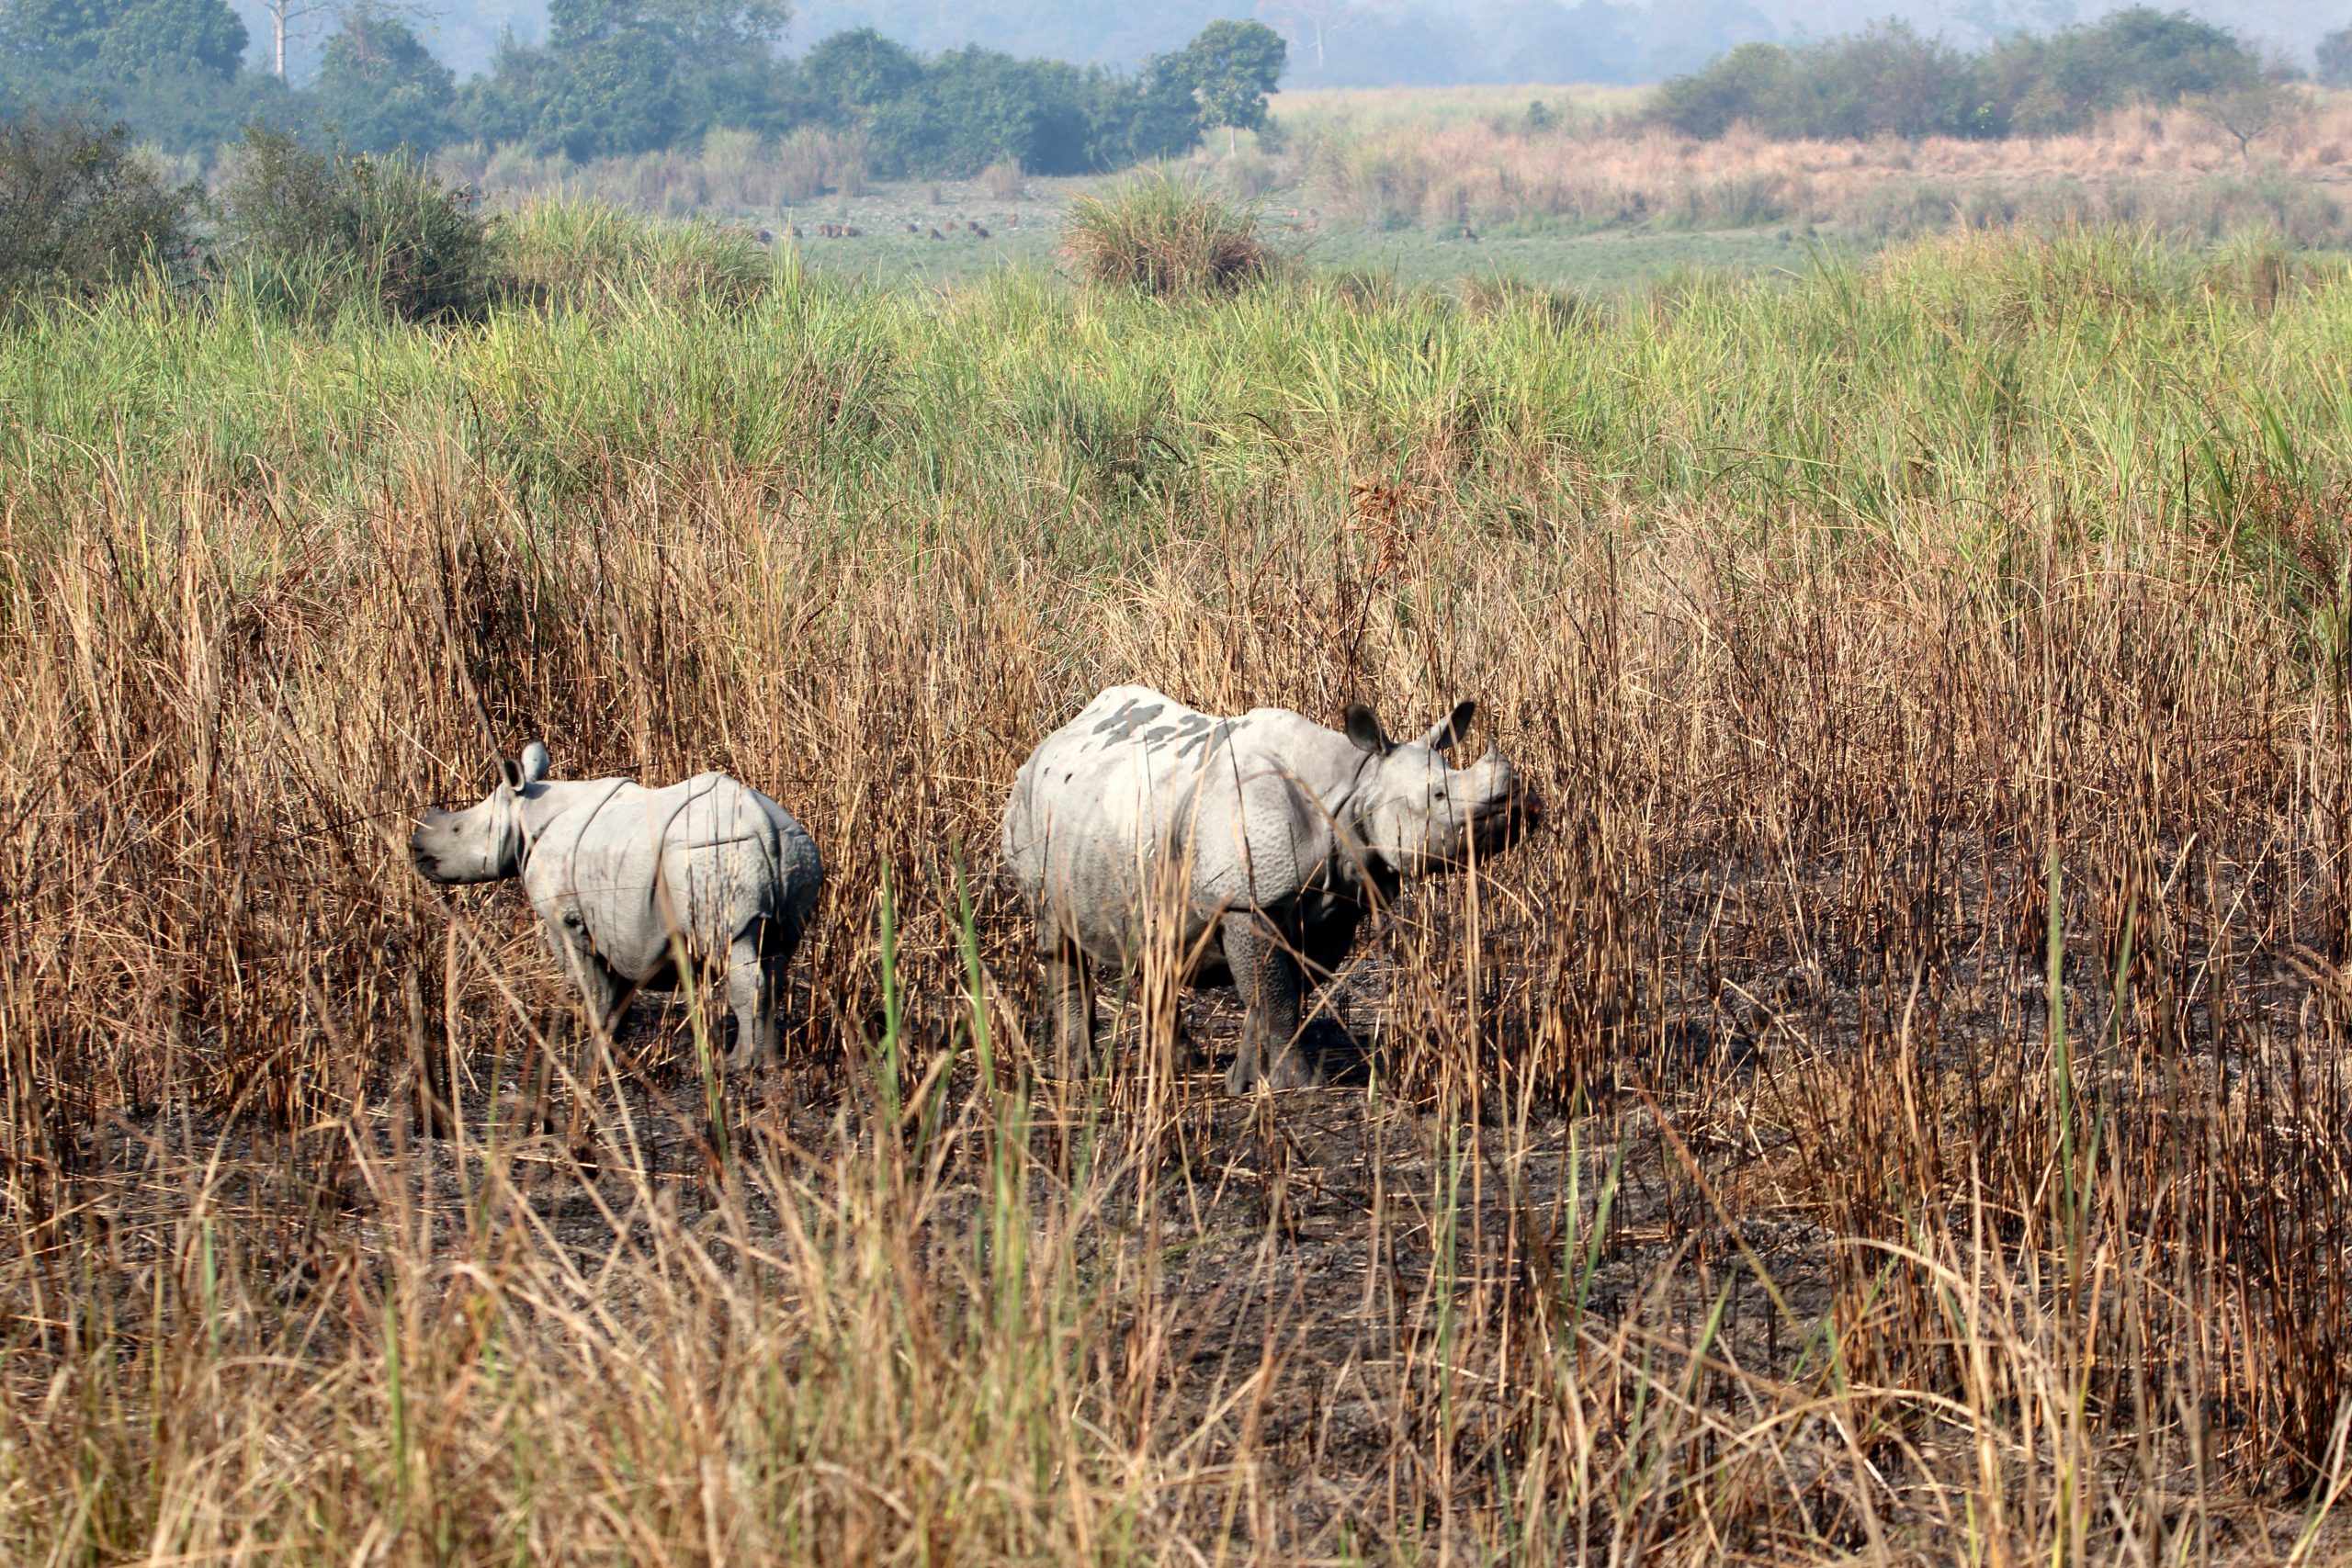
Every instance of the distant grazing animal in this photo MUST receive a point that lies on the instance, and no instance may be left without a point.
(978, 232)
(764, 238)
(937, 235)
(1268, 837)
(792, 229)
(628, 877)
(852, 231)
(915, 228)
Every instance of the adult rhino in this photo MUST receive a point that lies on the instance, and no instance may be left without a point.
(1266, 837)
(628, 877)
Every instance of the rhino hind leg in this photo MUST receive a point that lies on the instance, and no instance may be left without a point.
(1266, 972)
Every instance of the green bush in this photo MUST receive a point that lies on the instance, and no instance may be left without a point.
(79, 210)
(320, 227)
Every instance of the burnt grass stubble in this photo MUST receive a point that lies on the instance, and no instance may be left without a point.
(1773, 987)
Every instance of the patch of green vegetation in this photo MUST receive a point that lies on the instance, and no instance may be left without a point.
(1613, 261)
(1740, 372)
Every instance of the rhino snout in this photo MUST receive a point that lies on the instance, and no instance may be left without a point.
(1507, 811)
(433, 847)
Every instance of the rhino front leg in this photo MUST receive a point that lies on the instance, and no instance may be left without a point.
(750, 997)
(1069, 986)
(600, 989)
(1265, 970)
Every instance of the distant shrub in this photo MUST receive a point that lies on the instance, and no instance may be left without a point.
(1889, 81)
(79, 210)
(1162, 236)
(1249, 173)
(1001, 180)
(586, 254)
(320, 227)
(1503, 294)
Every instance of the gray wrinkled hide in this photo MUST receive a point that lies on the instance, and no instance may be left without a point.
(617, 871)
(1253, 845)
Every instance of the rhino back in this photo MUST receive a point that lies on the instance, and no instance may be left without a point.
(1097, 793)
(707, 856)
(1137, 782)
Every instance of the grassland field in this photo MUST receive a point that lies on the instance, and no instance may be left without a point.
(1896, 1112)
(1433, 186)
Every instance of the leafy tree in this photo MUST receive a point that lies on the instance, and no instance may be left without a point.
(379, 87)
(2164, 56)
(976, 105)
(1232, 67)
(861, 69)
(621, 77)
(1885, 80)
(614, 94)
(2336, 59)
(169, 69)
(1154, 116)
(1744, 85)
(501, 105)
(101, 40)
(687, 29)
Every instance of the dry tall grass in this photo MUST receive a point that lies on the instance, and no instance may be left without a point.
(2173, 168)
(1896, 1113)
(731, 174)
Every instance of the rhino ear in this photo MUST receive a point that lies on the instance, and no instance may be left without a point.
(1452, 728)
(1363, 729)
(534, 763)
(510, 775)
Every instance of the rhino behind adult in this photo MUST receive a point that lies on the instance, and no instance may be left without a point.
(625, 876)
(1266, 837)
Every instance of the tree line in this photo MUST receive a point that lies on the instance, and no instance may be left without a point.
(1891, 79)
(616, 77)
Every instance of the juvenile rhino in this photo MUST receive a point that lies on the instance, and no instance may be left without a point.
(1268, 836)
(617, 871)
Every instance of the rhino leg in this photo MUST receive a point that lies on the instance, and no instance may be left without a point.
(600, 989)
(1265, 970)
(755, 989)
(1069, 986)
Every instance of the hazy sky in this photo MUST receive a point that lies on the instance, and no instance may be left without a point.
(1394, 39)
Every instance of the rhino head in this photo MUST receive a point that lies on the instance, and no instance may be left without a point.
(483, 842)
(1421, 814)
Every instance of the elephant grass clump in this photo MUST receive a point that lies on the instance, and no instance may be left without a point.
(1160, 235)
